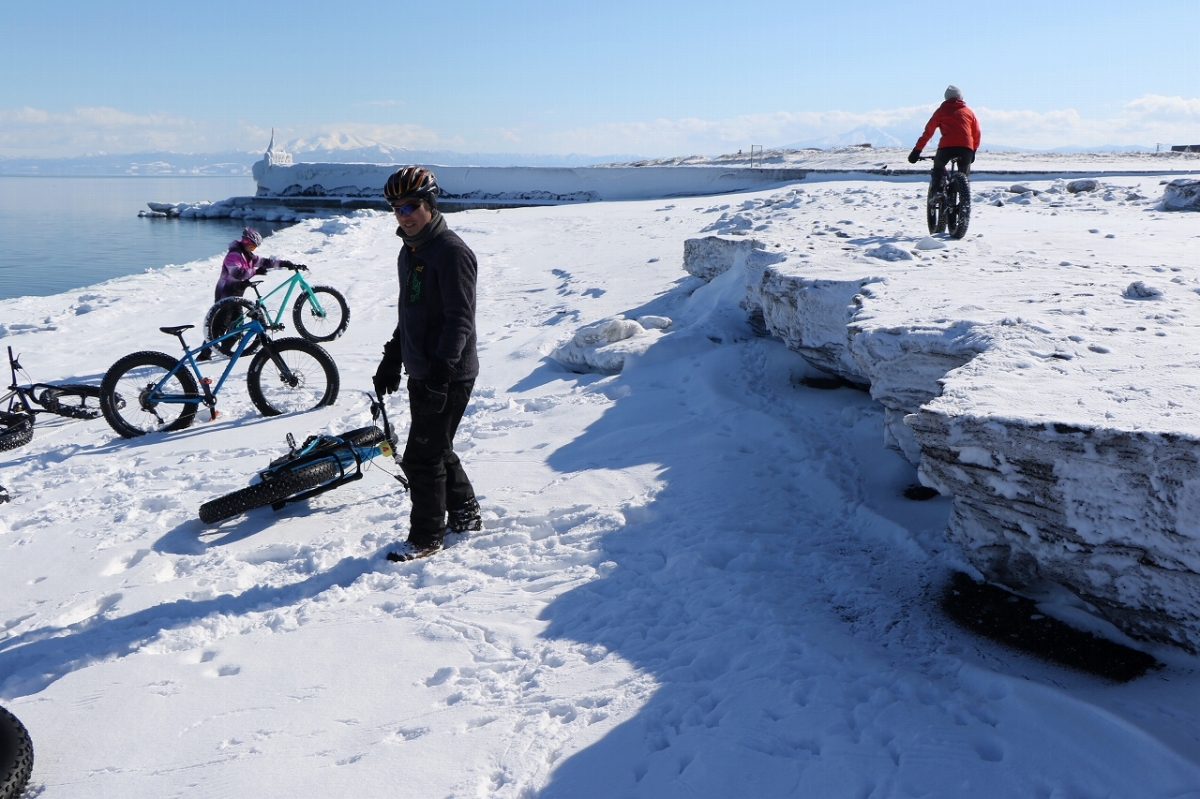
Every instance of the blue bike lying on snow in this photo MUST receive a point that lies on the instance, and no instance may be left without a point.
(320, 464)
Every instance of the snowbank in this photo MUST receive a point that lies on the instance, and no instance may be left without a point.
(1055, 403)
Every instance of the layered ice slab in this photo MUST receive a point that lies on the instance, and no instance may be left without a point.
(1058, 407)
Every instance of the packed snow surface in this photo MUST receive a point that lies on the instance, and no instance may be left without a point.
(697, 575)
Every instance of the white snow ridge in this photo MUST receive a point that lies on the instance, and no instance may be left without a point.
(699, 574)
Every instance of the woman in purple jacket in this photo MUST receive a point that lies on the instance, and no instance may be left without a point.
(241, 264)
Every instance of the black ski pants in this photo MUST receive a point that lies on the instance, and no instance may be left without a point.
(436, 480)
(944, 155)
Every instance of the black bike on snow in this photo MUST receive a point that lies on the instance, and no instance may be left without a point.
(948, 208)
(21, 404)
(150, 391)
(320, 464)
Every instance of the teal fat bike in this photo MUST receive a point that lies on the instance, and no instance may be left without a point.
(320, 313)
(321, 463)
(948, 205)
(147, 392)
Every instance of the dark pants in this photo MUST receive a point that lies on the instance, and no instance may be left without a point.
(436, 480)
(944, 155)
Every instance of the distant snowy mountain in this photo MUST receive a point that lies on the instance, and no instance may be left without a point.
(160, 164)
(337, 149)
(873, 136)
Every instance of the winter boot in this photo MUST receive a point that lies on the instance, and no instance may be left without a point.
(465, 519)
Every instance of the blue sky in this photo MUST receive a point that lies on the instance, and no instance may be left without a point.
(649, 78)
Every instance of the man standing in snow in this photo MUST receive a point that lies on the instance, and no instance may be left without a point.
(960, 136)
(434, 342)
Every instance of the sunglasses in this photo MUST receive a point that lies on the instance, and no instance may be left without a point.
(406, 209)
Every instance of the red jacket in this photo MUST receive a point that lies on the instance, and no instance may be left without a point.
(959, 126)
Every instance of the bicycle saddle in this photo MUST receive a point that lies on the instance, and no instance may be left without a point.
(176, 330)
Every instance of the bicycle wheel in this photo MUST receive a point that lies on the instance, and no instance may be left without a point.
(958, 204)
(124, 401)
(70, 400)
(326, 326)
(363, 436)
(314, 378)
(281, 485)
(16, 430)
(226, 315)
(16, 756)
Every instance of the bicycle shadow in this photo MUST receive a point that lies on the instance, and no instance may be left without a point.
(32, 661)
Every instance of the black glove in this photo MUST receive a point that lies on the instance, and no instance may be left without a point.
(427, 397)
(286, 264)
(387, 376)
(972, 156)
(914, 156)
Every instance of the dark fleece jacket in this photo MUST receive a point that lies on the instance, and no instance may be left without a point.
(435, 336)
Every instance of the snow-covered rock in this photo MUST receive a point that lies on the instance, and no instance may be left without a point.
(1061, 463)
(605, 346)
(1182, 194)
(1082, 185)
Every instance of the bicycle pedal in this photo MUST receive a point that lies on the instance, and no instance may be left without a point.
(213, 413)
(206, 381)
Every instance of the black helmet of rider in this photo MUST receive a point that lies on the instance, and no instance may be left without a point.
(252, 237)
(410, 182)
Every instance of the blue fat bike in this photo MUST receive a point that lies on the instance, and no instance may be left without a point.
(320, 313)
(948, 205)
(320, 464)
(150, 391)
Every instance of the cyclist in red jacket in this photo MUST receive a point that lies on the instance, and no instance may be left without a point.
(960, 135)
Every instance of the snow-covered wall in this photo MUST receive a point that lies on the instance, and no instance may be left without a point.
(1067, 459)
(530, 185)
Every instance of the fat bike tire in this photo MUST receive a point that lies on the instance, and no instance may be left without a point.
(125, 383)
(70, 400)
(316, 380)
(326, 326)
(363, 436)
(958, 201)
(16, 430)
(225, 315)
(281, 485)
(16, 756)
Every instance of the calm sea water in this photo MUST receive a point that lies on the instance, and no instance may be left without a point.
(63, 233)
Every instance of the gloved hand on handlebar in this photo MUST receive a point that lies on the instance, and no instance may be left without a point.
(914, 156)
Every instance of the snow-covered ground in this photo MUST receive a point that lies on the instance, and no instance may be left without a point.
(698, 576)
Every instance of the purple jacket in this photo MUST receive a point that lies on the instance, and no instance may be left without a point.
(239, 266)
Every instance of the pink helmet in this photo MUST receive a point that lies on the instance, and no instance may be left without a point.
(252, 236)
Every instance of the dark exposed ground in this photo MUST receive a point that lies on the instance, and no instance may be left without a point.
(1014, 621)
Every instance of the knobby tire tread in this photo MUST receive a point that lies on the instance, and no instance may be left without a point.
(108, 388)
(302, 307)
(16, 756)
(958, 198)
(16, 430)
(283, 484)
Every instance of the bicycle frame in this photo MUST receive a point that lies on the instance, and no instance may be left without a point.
(23, 398)
(290, 284)
(247, 332)
(338, 449)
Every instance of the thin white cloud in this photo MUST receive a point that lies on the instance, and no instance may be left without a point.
(1148, 120)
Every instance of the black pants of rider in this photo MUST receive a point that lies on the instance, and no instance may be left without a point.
(436, 479)
(945, 155)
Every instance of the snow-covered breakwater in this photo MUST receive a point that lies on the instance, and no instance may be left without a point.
(1058, 408)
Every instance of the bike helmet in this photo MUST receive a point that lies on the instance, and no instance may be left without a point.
(413, 182)
(252, 236)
